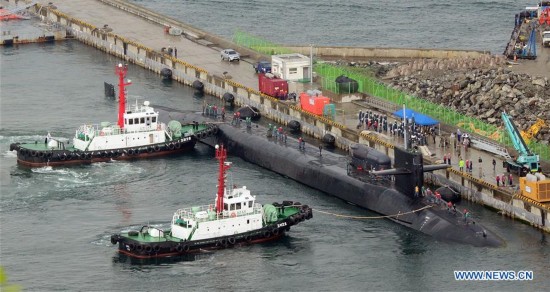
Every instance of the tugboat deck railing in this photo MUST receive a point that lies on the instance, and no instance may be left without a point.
(211, 215)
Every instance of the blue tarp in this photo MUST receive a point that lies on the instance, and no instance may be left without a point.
(419, 118)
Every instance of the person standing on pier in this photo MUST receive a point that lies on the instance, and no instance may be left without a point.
(320, 149)
(494, 164)
(175, 52)
(461, 164)
(498, 180)
(510, 179)
(466, 215)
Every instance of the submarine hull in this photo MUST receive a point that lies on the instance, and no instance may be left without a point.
(320, 173)
(328, 173)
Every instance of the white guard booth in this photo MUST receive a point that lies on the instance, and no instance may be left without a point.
(292, 67)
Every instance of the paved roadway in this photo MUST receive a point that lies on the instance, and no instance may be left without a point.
(152, 35)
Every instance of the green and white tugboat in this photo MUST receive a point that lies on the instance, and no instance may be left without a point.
(234, 219)
(137, 134)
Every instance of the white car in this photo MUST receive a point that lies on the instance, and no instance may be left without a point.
(546, 38)
(230, 55)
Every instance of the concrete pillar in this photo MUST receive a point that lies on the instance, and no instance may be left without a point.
(517, 203)
(538, 213)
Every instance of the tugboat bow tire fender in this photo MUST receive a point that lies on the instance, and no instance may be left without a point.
(33, 153)
(177, 145)
(139, 247)
(170, 146)
(182, 248)
(247, 238)
(114, 239)
(156, 148)
(156, 248)
(267, 233)
(275, 231)
(231, 240)
(148, 248)
(292, 220)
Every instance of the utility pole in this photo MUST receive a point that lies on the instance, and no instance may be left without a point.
(311, 65)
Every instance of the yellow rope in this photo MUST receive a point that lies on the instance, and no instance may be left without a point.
(372, 217)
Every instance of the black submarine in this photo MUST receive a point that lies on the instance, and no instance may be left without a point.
(388, 192)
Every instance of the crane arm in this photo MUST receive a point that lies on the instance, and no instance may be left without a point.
(518, 141)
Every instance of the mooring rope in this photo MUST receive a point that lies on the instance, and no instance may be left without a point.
(372, 217)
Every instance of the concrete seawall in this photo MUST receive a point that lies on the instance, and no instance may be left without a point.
(390, 53)
(131, 50)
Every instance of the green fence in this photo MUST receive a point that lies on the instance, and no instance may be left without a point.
(371, 86)
(258, 44)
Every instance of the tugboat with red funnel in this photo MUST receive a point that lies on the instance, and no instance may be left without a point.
(137, 134)
(234, 219)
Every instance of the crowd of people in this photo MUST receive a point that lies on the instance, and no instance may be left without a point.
(418, 134)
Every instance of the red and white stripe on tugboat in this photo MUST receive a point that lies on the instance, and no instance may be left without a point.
(234, 219)
(138, 133)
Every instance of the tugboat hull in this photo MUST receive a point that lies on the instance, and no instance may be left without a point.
(33, 157)
(39, 155)
(138, 245)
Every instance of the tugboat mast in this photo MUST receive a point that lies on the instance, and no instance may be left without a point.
(121, 72)
(221, 155)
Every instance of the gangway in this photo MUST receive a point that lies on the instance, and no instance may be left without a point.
(489, 146)
(526, 160)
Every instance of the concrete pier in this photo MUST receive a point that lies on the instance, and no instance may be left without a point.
(138, 36)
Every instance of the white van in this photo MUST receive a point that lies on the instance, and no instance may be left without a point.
(546, 38)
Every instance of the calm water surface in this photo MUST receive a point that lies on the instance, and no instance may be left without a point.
(55, 223)
(467, 24)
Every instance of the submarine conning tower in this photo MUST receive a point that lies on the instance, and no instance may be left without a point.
(412, 162)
